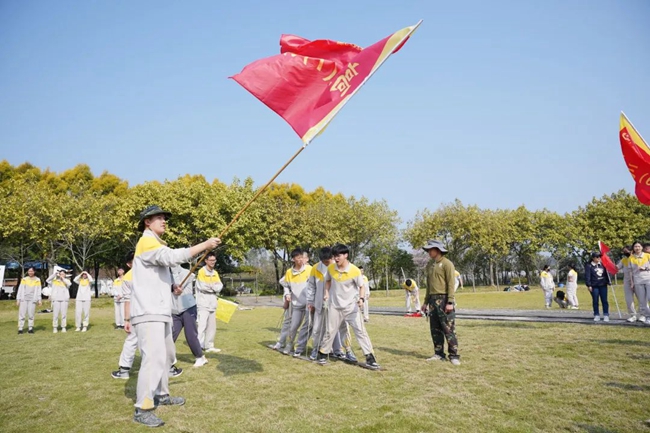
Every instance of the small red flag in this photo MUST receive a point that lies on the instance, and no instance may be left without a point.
(607, 262)
(309, 82)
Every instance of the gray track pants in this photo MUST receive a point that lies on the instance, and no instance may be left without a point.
(26, 309)
(157, 348)
(350, 315)
(82, 314)
(59, 308)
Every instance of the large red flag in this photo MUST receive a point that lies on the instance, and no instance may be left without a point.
(637, 157)
(310, 81)
(607, 262)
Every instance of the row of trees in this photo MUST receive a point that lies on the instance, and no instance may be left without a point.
(494, 245)
(75, 217)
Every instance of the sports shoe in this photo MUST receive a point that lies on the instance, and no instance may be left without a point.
(642, 319)
(166, 400)
(313, 355)
(437, 358)
(339, 355)
(55, 330)
(275, 346)
(371, 361)
(64, 330)
(632, 319)
(175, 371)
(212, 350)
(321, 358)
(84, 329)
(596, 318)
(30, 331)
(298, 353)
(148, 418)
(20, 331)
(121, 373)
(200, 362)
(349, 356)
(77, 330)
(548, 306)
(606, 319)
(455, 361)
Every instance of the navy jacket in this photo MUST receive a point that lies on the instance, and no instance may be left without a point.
(596, 275)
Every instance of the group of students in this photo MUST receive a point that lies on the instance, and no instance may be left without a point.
(635, 265)
(323, 302)
(31, 291)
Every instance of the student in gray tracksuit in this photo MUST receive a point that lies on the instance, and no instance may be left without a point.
(82, 304)
(294, 284)
(29, 294)
(315, 293)
(127, 356)
(184, 313)
(60, 298)
(344, 290)
(151, 311)
(208, 286)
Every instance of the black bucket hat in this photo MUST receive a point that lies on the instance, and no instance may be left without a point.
(152, 211)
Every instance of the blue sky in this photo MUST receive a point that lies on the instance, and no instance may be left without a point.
(498, 103)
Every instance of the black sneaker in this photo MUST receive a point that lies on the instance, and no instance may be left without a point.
(166, 400)
(371, 361)
(20, 331)
(30, 331)
(175, 371)
(321, 358)
(148, 418)
(122, 373)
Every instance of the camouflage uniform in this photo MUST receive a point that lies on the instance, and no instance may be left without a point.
(440, 293)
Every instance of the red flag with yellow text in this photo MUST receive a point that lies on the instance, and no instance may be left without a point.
(309, 82)
(637, 157)
(607, 262)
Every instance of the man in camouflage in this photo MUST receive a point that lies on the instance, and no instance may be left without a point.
(439, 302)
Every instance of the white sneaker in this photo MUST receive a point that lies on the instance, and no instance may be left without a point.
(632, 319)
(455, 361)
(213, 350)
(64, 330)
(596, 318)
(55, 330)
(275, 346)
(436, 358)
(606, 319)
(84, 329)
(641, 319)
(77, 330)
(200, 362)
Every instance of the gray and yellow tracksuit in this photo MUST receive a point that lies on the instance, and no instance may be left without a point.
(208, 286)
(29, 294)
(82, 304)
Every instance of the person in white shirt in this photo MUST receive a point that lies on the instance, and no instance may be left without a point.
(29, 294)
(82, 304)
(60, 298)
(547, 283)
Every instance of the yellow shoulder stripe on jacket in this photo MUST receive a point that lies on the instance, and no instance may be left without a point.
(203, 277)
(127, 276)
(146, 244)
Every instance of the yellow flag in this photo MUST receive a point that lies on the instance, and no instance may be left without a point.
(225, 310)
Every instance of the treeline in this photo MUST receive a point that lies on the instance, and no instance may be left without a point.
(88, 221)
(77, 218)
(494, 246)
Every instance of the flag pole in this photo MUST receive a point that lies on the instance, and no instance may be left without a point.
(246, 206)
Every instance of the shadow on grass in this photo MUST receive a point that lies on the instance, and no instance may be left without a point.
(498, 325)
(628, 387)
(272, 329)
(594, 429)
(402, 352)
(231, 365)
(623, 342)
(130, 387)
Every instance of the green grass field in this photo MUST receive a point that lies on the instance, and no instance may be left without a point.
(515, 377)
